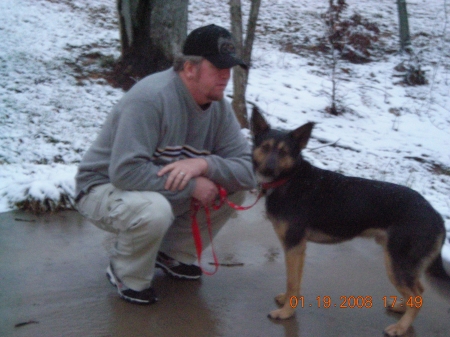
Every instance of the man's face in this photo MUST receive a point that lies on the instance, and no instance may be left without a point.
(209, 82)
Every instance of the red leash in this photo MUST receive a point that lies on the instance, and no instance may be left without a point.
(196, 206)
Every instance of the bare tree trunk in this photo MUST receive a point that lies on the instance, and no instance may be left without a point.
(244, 51)
(152, 32)
(405, 39)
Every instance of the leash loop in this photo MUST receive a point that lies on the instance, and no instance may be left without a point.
(196, 206)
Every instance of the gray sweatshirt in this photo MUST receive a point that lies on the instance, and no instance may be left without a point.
(158, 122)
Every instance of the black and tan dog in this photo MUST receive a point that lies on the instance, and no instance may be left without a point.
(306, 203)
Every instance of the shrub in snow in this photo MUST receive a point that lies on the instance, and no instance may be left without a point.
(42, 196)
(354, 38)
(411, 72)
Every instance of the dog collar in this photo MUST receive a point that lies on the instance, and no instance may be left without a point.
(274, 184)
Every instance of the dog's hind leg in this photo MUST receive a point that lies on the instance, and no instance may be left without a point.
(408, 305)
(295, 259)
(410, 298)
(406, 260)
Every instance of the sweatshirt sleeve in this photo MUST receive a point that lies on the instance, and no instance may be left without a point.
(230, 164)
(136, 138)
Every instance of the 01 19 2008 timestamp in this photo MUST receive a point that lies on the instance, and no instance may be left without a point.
(346, 302)
(326, 302)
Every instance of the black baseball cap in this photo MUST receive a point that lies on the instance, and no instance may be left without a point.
(215, 44)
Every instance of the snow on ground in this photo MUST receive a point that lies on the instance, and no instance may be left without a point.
(50, 112)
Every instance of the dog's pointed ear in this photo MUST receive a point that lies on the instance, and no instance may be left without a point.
(302, 134)
(258, 123)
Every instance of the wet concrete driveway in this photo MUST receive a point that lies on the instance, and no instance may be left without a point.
(52, 277)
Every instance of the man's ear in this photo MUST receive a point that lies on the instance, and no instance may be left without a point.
(258, 123)
(190, 70)
(302, 134)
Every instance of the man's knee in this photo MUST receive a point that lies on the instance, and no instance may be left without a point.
(149, 209)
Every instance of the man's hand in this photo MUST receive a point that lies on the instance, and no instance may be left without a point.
(180, 172)
(205, 191)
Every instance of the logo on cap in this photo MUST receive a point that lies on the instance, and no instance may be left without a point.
(226, 46)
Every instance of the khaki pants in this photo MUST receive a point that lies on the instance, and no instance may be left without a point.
(145, 224)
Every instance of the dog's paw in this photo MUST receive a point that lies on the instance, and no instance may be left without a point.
(395, 330)
(282, 313)
(280, 299)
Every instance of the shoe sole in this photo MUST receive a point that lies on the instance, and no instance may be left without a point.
(170, 272)
(112, 279)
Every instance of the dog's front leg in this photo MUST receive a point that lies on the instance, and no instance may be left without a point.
(294, 258)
